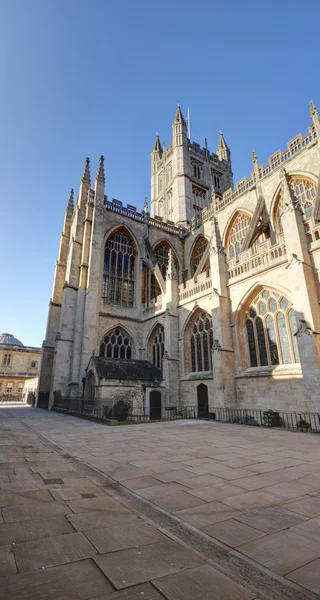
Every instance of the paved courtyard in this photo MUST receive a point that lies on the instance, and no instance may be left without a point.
(181, 510)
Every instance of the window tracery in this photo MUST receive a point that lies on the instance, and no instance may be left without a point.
(236, 235)
(118, 276)
(201, 341)
(116, 344)
(270, 324)
(304, 192)
(158, 346)
(197, 254)
(162, 255)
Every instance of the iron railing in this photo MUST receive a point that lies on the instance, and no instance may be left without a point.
(111, 410)
(295, 421)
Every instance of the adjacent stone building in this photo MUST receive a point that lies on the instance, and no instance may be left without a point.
(217, 286)
(19, 364)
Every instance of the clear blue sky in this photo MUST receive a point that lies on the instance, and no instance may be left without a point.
(83, 78)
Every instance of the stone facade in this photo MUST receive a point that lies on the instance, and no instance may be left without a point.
(218, 287)
(18, 365)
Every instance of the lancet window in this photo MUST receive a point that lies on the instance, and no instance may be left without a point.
(201, 340)
(116, 344)
(271, 324)
(158, 346)
(118, 276)
(197, 254)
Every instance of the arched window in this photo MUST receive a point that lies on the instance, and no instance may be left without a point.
(116, 344)
(270, 325)
(201, 340)
(197, 254)
(158, 346)
(118, 276)
(236, 235)
(304, 192)
(162, 255)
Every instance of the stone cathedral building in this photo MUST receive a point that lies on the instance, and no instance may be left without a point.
(209, 296)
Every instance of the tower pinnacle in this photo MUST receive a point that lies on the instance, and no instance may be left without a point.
(70, 205)
(157, 145)
(223, 151)
(100, 175)
(86, 173)
(179, 118)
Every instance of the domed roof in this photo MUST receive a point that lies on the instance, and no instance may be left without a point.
(8, 338)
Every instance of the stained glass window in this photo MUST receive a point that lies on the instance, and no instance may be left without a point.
(251, 344)
(270, 328)
(197, 255)
(116, 344)
(261, 342)
(158, 346)
(201, 340)
(283, 338)
(237, 234)
(304, 191)
(162, 255)
(118, 276)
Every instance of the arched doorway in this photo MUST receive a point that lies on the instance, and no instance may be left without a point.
(155, 405)
(202, 401)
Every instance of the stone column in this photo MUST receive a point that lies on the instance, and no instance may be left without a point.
(222, 351)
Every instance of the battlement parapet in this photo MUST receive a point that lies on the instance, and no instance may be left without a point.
(297, 144)
(131, 212)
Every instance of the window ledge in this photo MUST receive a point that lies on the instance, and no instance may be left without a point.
(274, 371)
(197, 376)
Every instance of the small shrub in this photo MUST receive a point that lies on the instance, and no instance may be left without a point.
(302, 424)
(180, 412)
(272, 418)
(121, 410)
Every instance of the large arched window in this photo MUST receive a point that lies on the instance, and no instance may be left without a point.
(158, 346)
(236, 235)
(118, 275)
(161, 253)
(304, 192)
(201, 340)
(197, 254)
(116, 344)
(270, 325)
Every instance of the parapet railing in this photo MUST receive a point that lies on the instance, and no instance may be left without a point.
(144, 217)
(265, 255)
(192, 287)
(276, 160)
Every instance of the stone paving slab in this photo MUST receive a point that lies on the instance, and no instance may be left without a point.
(271, 519)
(282, 552)
(104, 503)
(146, 591)
(25, 531)
(107, 518)
(138, 565)
(205, 583)
(74, 581)
(117, 538)
(39, 554)
(308, 576)
(7, 562)
(233, 533)
(27, 512)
